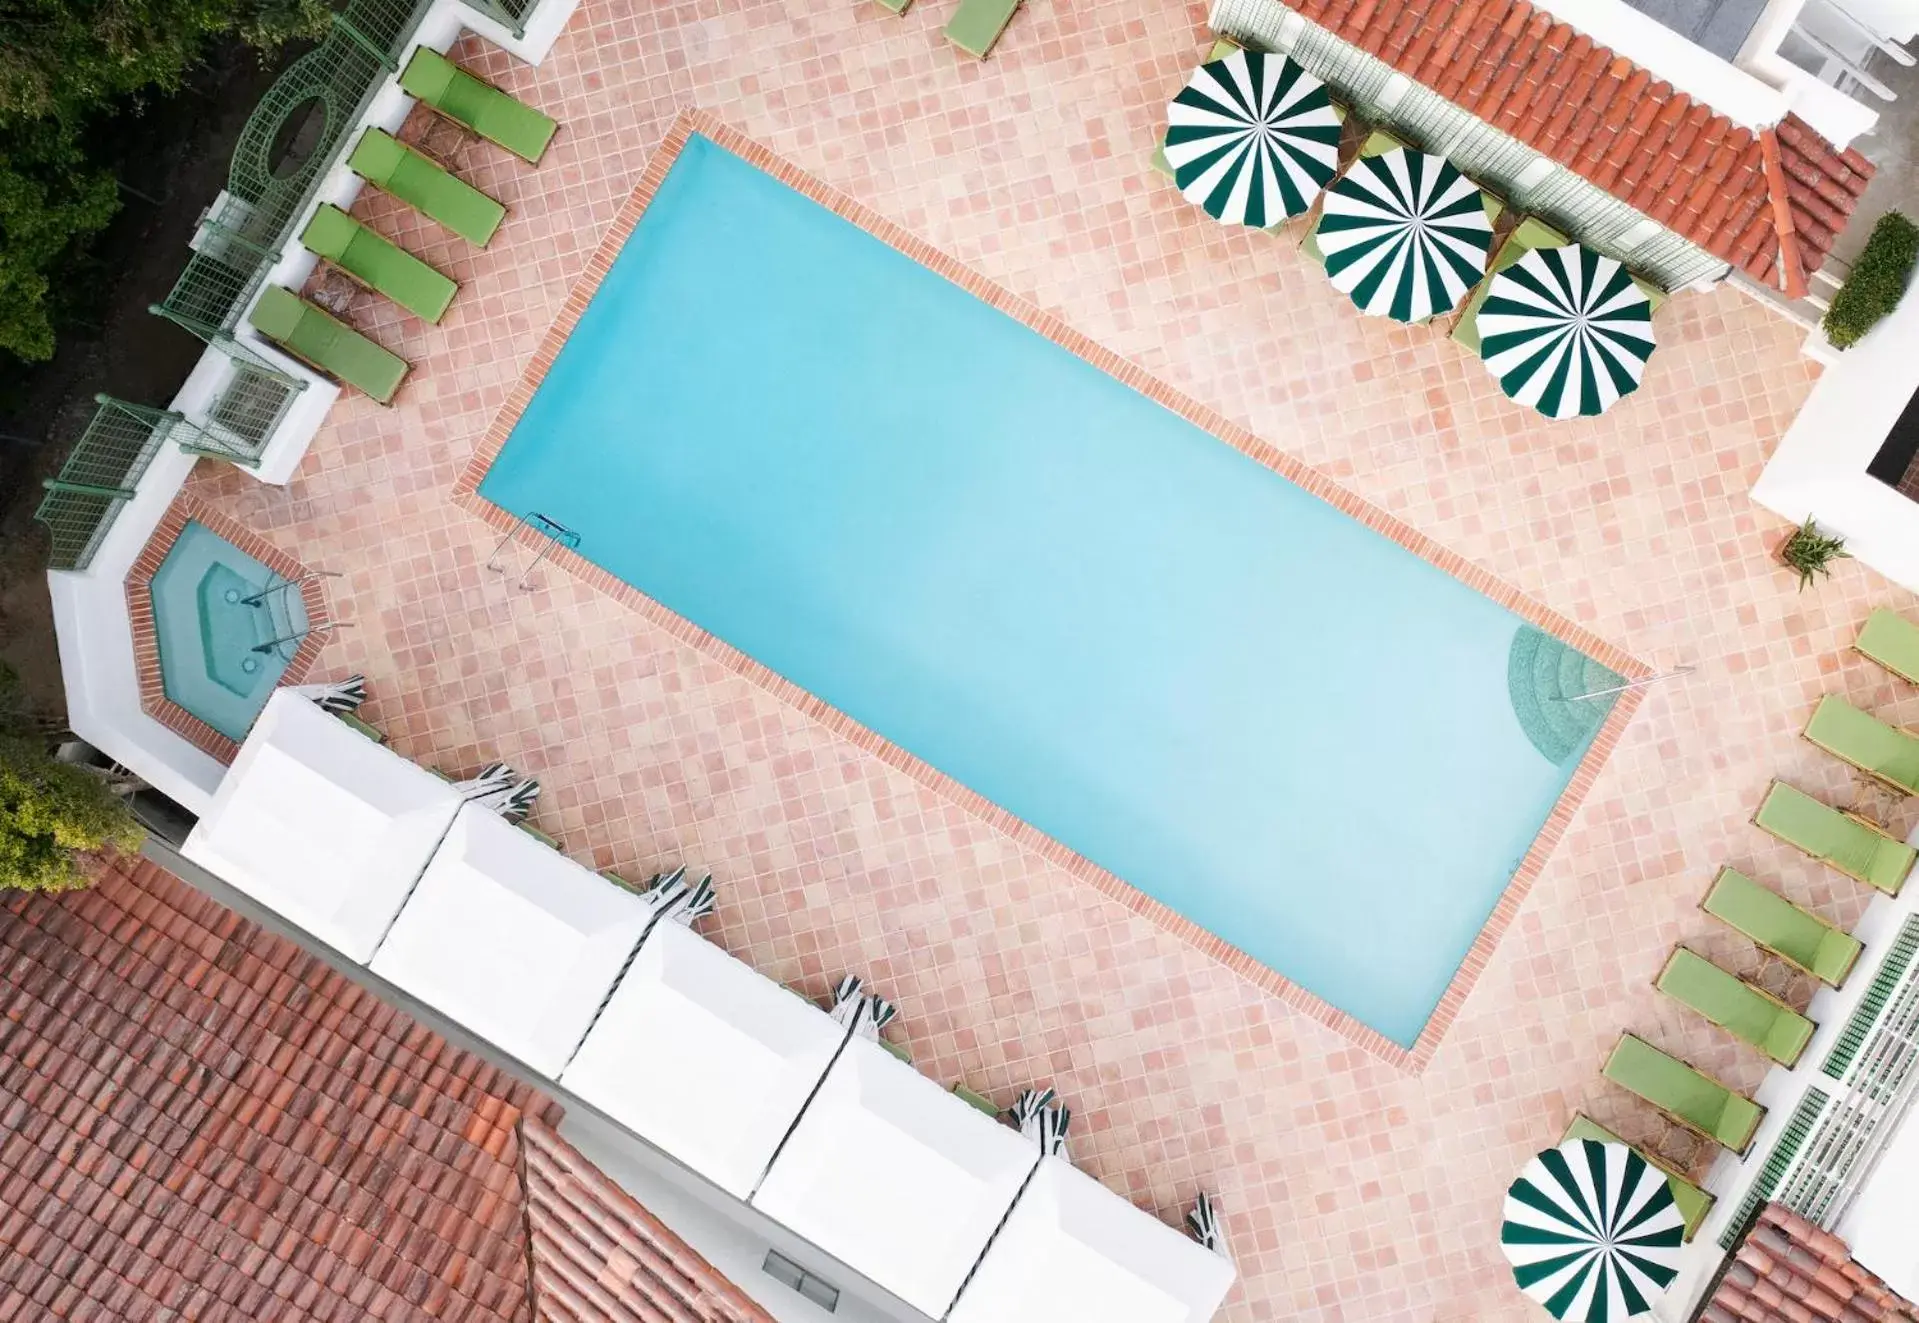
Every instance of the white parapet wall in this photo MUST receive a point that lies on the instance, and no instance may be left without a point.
(1819, 469)
(91, 619)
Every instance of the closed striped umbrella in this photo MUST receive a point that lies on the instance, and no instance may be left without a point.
(1566, 331)
(1404, 234)
(1592, 1232)
(1252, 138)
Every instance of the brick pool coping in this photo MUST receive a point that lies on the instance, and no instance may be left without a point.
(146, 643)
(693, 121)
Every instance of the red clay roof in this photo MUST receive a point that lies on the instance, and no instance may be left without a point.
(199, 1120)
(598, 1257)
(1603, 117)
(1789, 1271)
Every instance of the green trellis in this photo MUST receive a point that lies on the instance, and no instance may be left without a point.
(99, 477)
(242, 238)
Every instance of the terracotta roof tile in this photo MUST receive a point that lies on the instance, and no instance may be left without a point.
(199, 1119)
(1554, 89)
(1789, 1271)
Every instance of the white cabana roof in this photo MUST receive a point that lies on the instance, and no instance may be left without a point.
(1074, 1249)
(512, 939)
(896, 1177)
(704, 1057)
(327, 828)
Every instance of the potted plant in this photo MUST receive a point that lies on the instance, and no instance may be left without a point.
(1877, 283)
(1809, 552)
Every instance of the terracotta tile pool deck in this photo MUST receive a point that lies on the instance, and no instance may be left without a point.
(1353, 1189)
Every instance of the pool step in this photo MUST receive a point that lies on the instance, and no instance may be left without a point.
(1543, 676)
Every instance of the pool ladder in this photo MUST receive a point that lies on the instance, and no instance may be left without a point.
(264, 600)
(554, 533)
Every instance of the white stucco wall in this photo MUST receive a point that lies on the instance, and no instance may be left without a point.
(1819, 469)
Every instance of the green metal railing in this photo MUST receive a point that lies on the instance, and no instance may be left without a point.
(241, 240)
(99, 477)
(509, 14)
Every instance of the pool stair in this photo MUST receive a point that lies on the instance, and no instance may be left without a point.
(1557, 692)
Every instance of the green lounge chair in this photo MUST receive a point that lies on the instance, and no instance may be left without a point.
(896, 6)
(327, 344)
(1775, 924)
(378, 263)
(1893, 641)
(426, 186)
(1882, 752)
(1221, 48)
(352, 722)
(1529, 234)
(451, 91)
(978, 25)
(1698, 1102)
(1745, 1012)
(1845, 841)
(975, 1099)
(1694, 1203)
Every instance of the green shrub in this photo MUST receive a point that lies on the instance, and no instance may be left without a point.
(1877, 282)
(50, 814)
(1808, 552)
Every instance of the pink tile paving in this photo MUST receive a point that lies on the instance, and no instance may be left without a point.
(1354, 1189)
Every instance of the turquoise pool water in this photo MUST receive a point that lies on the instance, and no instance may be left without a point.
(211, 636)
(1279, 723)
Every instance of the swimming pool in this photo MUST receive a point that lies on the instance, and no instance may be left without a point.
(224, 638)
(1281, 724)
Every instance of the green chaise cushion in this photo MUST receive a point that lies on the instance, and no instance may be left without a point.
(482, 107)
(1879, 750)
(378, 263)
(318, 338)
(1735, 1006)
(1690, 1098)
(1825, 833)
(978, 24)
(1693, 1202)
(1529, 234)
(427, 187)
(1893, 641)
(1781, 927)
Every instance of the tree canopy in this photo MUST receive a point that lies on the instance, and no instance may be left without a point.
(51, 813)
(67, 69)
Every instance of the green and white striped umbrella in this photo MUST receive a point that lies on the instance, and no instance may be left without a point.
(1252, 138)
(1404, 234)
(1592, 1232)
(1566, 331)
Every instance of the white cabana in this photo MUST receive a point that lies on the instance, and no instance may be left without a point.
(512, 939)
(1074, 1249)
(327, 828)
(896, 1177)
(704, 1057)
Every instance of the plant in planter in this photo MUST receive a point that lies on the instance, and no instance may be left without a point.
(1877, 283)
(1809, 552)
